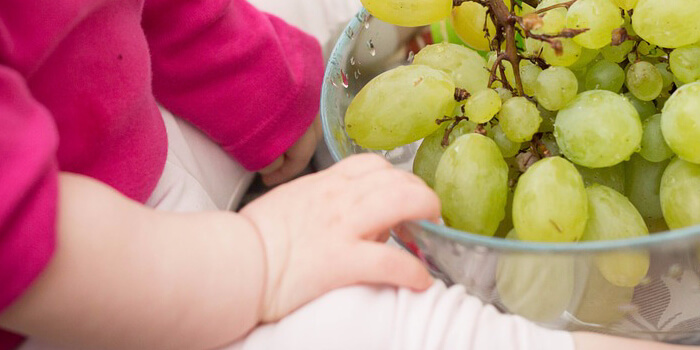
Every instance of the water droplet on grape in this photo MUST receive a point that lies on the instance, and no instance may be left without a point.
(370, 46)
(344, 79)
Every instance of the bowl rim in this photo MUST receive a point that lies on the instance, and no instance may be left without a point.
(652, 240)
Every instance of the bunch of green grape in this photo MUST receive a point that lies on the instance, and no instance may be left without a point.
(598, 138)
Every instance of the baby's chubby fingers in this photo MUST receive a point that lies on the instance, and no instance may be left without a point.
(375, 263)
(387, 198)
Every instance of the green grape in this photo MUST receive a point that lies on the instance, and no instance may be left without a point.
(644, 81)
(650, 50)
(466, 67)
(533, 47)
(587, 57)
(617, 54)
(528, 75)
(613, 177)
(642, 183)
(399, 106)
(685, 63)
(504, 93)
(508, 148)
(645, 108)
(556, 87)
(430, 150)
(605, 75)
(600, 300)
(581, 78)
(667, 23)
(409, 13)
(472, 183)
(598, 129)
(550, 202)
(548, 119)
(680, 194)
(519, 119)
(600, 17)
(625, 4)
(522, 281)
(654, 147)
(680, 122)
(628, 24)
(468, 20)
(571, 51)
(553, 21)
(666, 74)
(483, 106)
(611, 216)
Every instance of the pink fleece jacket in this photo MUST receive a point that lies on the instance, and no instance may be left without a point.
(79, 81)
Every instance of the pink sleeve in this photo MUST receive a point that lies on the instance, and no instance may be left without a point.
(28, 186)
(245, 78)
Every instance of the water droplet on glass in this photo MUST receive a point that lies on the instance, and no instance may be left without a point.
(370, 46)
(411, 56)
(366, 25)
(344, 79)
(357, 74)
(333, 82)
(352, 60)
(350, 33)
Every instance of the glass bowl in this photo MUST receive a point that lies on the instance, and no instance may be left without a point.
(556, 285)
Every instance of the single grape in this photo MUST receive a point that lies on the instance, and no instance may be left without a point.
(645, 108)
(611, 216)
(571, 52)
(600, 300)
(680, 194)
(617, 54)
(472, 183)
(483, 106)
(466, 67)
(600, 17)
(665, 71)
(556, 87)
(431, 150)
(409, 13)
(468, 20)
(654, 147)
(612, 177)
(523, 279)
(550, 203)
(528, 74)
(685, 63)
(680, 122)
(605, 75)
(667, 23)
(399, 107)
(598, 129)
(519, 119)
(642, 183)
(625, 4)
(644, 81)
(508, 148)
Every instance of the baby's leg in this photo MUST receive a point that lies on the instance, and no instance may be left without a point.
(386, 319)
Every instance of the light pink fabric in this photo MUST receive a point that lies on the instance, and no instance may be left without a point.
(77, 86)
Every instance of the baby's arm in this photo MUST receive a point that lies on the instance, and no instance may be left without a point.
(127, 277)
(398, 319)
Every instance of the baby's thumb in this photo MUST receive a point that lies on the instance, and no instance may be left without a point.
(382, 264)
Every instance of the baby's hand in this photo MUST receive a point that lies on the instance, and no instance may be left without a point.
(325, 231)
(297, 157)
